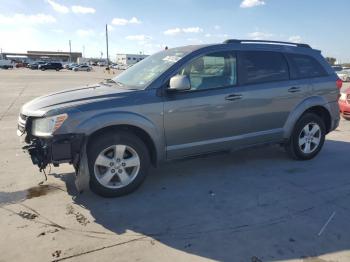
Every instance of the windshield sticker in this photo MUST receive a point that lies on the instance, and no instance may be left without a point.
(172, 59)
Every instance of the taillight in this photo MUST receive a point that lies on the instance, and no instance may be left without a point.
(339, 83)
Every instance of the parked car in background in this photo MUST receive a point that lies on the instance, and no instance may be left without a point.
(21, 64)
(6, 64)
(36, 64)
(82, 68)
(344, 75)
(51, 66)
(183, 102)
(337, 68)
(71, 66)
(102, 63)
(344, 104)
(123, 67)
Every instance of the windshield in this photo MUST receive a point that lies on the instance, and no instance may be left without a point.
(140, 75)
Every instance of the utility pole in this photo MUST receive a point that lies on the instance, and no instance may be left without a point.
(107, 45)
(70, 52)
(83, 50)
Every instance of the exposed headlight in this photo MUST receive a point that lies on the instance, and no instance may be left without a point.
(47, 126)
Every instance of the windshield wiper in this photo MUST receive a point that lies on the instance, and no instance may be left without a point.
(111, 81)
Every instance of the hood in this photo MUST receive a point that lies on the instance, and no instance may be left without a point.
(73, 97)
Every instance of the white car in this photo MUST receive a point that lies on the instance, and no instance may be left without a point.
(5, 64)
(82, 68)
(344, 75)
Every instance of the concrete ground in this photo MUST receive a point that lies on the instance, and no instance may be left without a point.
(252, 205)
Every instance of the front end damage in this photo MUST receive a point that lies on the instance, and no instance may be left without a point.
(57, 149)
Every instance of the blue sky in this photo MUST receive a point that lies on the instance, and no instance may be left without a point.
(147, 26)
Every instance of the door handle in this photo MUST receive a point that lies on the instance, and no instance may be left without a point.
(233, 97)
(294, 89)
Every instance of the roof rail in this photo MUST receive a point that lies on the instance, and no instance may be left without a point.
(240, 41)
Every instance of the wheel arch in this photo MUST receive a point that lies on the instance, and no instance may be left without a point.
(316, 105)
(139, 132)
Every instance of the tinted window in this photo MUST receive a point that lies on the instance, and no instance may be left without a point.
(211, 71)
(261, 66)
(303, 66)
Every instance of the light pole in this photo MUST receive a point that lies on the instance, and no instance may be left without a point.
(107, 45)
(70, 52)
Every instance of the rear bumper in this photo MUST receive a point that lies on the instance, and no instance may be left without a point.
(344, 108)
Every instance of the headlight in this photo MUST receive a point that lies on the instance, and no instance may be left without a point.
(48, 125)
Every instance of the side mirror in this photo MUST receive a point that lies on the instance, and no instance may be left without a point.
(180, 83)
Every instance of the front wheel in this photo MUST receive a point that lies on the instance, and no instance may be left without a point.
(118, 164)
(307, 138)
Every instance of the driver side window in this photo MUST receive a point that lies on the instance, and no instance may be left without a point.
(210, 71)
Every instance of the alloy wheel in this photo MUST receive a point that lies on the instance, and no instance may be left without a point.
(117, 166)
(310, 138)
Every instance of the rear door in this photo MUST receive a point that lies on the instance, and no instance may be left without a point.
(268, 94)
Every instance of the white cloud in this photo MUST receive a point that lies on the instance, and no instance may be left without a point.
(217, 27)
(110, 28)
(177, 30)
(295, 39)
(192, 30)
(123, 21)
(251, 3)
(134, 20)
(58, 31)
(260, 35)
(195, 40)
(138, 37)
(85, 33)
(78, 9)
(172, 31)
(217, 35)
(58, 7)
(21, 19)
(12, 40)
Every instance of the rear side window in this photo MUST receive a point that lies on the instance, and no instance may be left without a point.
(303, 66)
(261, 67)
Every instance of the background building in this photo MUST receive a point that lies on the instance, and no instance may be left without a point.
(129, 59)
(32, 56)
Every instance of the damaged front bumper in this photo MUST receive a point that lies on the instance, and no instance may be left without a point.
(54, 150)
(63, 148)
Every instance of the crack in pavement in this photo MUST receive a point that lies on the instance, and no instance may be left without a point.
(99, 249)
(13, 102)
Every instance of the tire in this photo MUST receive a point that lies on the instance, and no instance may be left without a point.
(110, 168)
(296, 147)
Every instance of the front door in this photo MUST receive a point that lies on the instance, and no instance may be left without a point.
(200, 119)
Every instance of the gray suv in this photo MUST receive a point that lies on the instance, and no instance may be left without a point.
(184, 102)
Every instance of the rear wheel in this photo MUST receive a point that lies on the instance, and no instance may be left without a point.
(118, 164)
(307, 138)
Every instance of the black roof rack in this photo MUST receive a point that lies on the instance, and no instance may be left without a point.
(240, 41)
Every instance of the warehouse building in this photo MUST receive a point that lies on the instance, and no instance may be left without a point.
(129, 59)
(32, 56)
